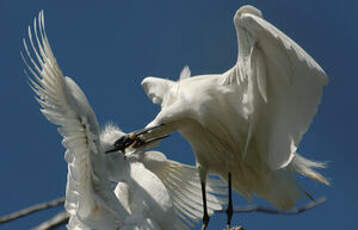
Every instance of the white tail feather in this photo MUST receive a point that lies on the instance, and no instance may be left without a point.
(305, 167)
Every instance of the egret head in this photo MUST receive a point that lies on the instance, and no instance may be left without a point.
(110, 137)
(178, 101)
(122, 143)
(170, 95)
(113, 140)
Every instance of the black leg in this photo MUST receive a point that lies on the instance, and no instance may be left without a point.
(206, 217)
(229, 210)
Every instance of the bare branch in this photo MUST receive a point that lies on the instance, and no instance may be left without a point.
(32, 209)
(276, 211)
(56, 221)
(62, 218)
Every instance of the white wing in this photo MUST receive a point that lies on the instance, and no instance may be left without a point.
(64, 104)
(183, 184)
(281, 86)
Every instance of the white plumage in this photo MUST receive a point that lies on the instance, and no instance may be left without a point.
(250, 119)
(150, 192)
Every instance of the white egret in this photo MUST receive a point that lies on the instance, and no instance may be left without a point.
(245, 124)
(152, 192)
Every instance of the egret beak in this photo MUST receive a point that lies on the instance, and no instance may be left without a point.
(147, 130)
(141, 143)
(111, 151)
(142, 139)
(122, 143)
(134, 140)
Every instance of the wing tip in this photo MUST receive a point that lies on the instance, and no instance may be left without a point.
(247, 9)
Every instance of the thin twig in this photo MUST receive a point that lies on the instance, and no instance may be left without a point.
(32, 209)
(62, 218)
(276, 211)
(56, 221)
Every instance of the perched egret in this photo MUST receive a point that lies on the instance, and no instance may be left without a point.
(107, 188)
(245, 124)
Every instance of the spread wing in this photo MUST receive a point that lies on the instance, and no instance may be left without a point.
(64, 104)
(183, 184)
(281, 86)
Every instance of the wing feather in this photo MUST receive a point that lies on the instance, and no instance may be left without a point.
(183, 184)
(63, 103)
(283, 85)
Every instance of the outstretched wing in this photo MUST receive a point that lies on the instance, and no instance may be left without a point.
(183, 184)
(281, 86)
(64, 104)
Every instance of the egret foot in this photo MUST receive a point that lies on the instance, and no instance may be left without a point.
(206, 219)
(229, 212)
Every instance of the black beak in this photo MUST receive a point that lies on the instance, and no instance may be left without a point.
(121, 144)
(147, 130)
(149, 141)
(133, 139)
(111, 151)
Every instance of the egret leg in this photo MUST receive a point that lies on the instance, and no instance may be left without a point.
(206, 217)
(229, 210)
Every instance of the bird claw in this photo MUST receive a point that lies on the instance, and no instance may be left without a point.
(229, 212)
(206, 219)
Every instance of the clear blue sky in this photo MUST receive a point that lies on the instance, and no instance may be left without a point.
(109, 46)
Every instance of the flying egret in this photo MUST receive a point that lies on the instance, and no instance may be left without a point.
(106, 187)
(245, 124)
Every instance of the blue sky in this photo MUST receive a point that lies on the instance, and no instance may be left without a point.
(108, 47)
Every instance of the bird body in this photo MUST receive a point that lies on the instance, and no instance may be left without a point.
(249, 120)
(218, 142)
(138, 191)
(141, 192)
